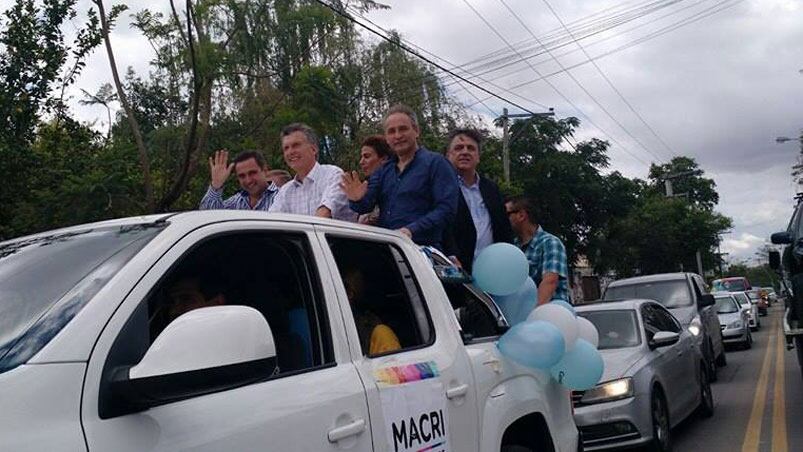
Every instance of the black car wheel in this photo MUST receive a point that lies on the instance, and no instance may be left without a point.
(722, 360)
(748, 342)
(709, 359)
(706, 408)
(661, 434)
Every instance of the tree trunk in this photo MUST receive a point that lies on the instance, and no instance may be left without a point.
(144, 161)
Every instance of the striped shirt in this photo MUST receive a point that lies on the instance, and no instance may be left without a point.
(213, 199)
(321, 187)
(547, 254)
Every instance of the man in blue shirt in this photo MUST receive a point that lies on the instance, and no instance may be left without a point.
(416, 190)
(545, 252)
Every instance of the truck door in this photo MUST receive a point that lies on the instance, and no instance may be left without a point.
(313, 400)
(413, 363)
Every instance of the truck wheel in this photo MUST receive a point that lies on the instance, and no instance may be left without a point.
(516, 448)
(799, 347)
(661, 438)
(722, 360)
(706, 407)
(709, 360)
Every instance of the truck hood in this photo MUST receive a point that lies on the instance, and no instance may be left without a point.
(684, 314)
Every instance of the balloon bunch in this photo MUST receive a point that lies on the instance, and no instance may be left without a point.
(550, 337)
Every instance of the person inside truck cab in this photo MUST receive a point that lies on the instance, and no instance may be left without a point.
(190, 293)
(375, 336)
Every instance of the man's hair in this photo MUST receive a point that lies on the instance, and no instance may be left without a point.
(403, 109)
(378, 144)
(247, 155)
(527, 205)
(280, 173)
(308, 132)
(474, 134)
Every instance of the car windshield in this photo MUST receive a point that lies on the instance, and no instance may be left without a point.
(754, 295)
(730, 285)
(725, 305)
(46, 279)
(741, 298)
(617, 329)
(671, 294)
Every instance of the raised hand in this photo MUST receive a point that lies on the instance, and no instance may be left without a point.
(353, 187)
(220, 168)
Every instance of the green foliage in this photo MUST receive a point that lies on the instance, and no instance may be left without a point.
(698, 190)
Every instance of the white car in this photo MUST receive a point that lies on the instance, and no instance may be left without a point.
(754, 320)
(223, 330)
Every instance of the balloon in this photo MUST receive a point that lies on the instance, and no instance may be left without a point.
(500, 269)
(533, 344)
(559, 316)
(581, 368)
(518, 305)
(587, 331)
(565, 304)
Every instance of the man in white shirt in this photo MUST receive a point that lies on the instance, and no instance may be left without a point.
(315, 189)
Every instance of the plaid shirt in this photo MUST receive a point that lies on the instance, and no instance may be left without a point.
(213, 199)
(321, 187)
(546, 254)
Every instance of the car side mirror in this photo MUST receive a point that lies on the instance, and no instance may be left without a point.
(202, 351)
(781, 238)
(707, 300)
(775, 260)
(664, 338)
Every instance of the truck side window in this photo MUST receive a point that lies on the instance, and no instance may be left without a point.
(386, 301)
(473, 310)
(665, 320)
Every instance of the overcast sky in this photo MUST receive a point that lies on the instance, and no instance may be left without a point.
(719, 89)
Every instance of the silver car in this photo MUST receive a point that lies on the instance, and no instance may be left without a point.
(753, 318)
(655, 376)
(734, 320)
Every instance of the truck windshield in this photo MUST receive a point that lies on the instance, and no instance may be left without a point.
(730, 285)
(617, 329)
(45, 280)
(671, 294)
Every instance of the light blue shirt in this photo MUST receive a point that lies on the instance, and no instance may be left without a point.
(479, 214)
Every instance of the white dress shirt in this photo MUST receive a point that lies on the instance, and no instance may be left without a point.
(321, 187)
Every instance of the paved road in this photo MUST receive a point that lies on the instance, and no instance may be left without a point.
(759, 400)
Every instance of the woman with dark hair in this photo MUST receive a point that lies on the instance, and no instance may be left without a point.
(374, 152)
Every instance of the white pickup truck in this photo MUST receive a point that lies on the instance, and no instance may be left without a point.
(215, 330)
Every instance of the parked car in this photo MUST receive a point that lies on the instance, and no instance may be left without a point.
(655, 376)
(752, 309)
(760, 302)
(731, 284)
(733, 319)
(685, 295)
(238, 330)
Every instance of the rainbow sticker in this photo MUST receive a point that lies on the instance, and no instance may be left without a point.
(398, 375)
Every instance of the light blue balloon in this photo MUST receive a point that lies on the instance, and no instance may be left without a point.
(534, 343)
(518, 305)
(566, 305)
(581, 367)
(500, 269)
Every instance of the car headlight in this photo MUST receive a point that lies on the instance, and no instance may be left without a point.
(735, 325)
(695, 326)
(609, 391)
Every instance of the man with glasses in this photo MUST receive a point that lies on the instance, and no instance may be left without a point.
(480, 219)
(545, 252)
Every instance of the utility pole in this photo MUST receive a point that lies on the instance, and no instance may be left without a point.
(505, 119)
(670, 192)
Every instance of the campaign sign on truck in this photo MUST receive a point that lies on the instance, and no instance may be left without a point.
(414, 407)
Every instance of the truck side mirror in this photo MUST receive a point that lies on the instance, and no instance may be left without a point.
(707, 300)
(775, 260)
(781, 238)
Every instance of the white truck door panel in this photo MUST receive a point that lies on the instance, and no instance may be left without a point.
(393, 402)
(322, 408)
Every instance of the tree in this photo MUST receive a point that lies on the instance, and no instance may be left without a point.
(36, 65)
(697, 189)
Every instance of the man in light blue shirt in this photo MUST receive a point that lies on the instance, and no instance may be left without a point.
(257, 190)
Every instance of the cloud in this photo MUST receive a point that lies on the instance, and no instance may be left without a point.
(741, 248)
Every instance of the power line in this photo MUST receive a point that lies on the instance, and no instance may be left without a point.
(484, 20)
(602, 73)
(407, 49)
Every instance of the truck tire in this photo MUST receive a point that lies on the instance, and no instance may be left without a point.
(795, 302)
(799, 347)
(709, 360)
(722, 360)
(516, 448)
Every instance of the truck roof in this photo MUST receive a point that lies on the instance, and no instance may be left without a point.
(649, 279)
